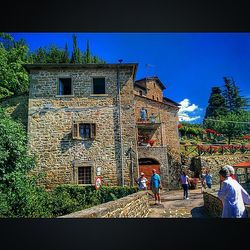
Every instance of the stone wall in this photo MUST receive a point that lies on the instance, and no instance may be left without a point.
(215, 162)
(213, 204)
(154, 91)
(167, 133)
(159, 154)
(50, 130)
(132, 206)
(167, 139)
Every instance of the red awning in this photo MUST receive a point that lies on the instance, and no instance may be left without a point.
(245, 164)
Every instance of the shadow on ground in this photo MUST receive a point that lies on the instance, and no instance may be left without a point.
(199, 212)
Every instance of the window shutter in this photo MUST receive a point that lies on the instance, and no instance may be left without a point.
(75, 131)
(93, 130)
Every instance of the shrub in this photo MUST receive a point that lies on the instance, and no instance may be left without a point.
(20, 194)
(66, 199)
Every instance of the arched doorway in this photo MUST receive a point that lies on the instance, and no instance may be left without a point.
(146, 165)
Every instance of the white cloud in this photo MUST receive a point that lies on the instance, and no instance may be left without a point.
(186, 110)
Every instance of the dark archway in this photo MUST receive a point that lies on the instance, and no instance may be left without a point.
(146, 165)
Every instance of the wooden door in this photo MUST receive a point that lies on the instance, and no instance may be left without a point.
(147, 170)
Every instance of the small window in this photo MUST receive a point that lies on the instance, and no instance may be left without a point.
(84, 175)
(157, 98)
(99, 86)
(83, 131)
(140, 92)
(65, 86)
(154, 84)
(153, 97)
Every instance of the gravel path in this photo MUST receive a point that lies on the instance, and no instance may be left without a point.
(173, 205)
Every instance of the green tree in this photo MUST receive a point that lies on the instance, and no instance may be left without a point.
(54, 55)
(14, 79)
(22, 196)
(39, 56)
(76, 54)
(65, 56)
(87, 58)
(234, 102)
(216, 104)
(232, 125)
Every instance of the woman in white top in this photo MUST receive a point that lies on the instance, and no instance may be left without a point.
(142, 182)
(233, 196)
(184, 183)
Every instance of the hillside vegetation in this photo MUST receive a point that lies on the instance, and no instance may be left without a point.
(17, 108)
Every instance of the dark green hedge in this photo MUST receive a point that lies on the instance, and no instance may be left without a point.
(66, 199)
(63, 199)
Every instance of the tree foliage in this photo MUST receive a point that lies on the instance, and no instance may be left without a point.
(13, 77)
(233, 101)
(76, 56)
(89, 58)
(216, 104)
(232, 125)
(227, 110)
(21, 195)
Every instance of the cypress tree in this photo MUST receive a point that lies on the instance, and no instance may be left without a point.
(76, 54)
(65, 56)
(216, 104)
(231, 93)
(87, 58)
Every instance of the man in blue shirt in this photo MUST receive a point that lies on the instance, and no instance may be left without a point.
(155, 184)
(208, 179)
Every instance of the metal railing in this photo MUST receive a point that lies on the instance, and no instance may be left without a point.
(149, 118)
(216, 149)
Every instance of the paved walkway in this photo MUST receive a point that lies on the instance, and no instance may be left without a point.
(173, 205)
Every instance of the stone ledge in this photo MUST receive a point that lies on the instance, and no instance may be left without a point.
(124, 207)
(213, 204)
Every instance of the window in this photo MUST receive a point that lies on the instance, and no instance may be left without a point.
(154, 84)
(84, 175)
(140, 92)
(65, 86)
(153, 97)
(99, 86)
(157, 98)
(84, 131)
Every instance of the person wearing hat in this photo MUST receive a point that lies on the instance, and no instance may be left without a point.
(155, 184)
(142, 182)
(231, 171)
(232, 195)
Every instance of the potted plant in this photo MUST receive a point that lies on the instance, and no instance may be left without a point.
(151, 142)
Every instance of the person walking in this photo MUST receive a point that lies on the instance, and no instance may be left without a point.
(184, 183)
(208, 179)
(142, 182)
(232, 195)
(155, 185)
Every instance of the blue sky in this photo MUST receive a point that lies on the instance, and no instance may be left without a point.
(189, 64)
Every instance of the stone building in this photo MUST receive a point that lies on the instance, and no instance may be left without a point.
(84, 121)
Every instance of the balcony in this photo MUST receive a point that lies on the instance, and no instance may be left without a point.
(151, 122)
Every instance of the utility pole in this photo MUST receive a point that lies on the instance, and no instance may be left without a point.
(120, 121)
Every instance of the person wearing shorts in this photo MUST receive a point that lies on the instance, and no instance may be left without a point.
(155, 184)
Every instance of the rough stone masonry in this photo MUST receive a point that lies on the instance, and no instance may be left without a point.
(52, 115)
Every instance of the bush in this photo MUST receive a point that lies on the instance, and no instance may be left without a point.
(25, 198)
(20, 194)
(66, 199)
